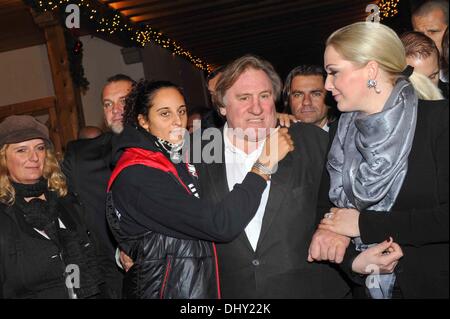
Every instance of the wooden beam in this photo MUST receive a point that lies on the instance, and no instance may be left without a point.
(285, 32)
(166, 9)
(130, 7)
(242, 24)
(217, 14)
(67, 107)
(17, 28)
(46, 105)
(27, 107)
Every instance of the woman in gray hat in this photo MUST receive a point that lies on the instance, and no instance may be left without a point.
(45, 249)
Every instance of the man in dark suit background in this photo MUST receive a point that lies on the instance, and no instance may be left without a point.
(269, 259)
(87, 168)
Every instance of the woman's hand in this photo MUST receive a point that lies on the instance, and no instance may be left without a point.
(343, 221)
(381, 258)
(126, 261)
(277, 145)
(286, 119)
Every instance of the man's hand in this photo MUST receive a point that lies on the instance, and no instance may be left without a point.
(125, 260)
(326, 245)
(343, 221)
(286, 119)
(278, 144)
(383, 257)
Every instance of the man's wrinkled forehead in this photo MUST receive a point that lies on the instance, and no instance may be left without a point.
(252, 80)
(435, 17)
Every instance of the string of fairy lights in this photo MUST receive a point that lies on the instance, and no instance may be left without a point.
(111, 22)
(388, 8)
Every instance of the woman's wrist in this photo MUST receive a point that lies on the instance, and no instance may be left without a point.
(263, 167)
(260, 173)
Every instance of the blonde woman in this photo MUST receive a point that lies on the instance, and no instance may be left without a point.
(387, 168)
(45, 248)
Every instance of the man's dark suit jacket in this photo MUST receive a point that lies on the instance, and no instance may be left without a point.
(279, 267)
(443, 86)
(87, 168)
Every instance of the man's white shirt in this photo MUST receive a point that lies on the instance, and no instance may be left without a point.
(238, 164)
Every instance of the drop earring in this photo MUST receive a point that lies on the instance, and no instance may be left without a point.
(373, 84)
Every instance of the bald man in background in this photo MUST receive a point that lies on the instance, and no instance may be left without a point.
(89, 132)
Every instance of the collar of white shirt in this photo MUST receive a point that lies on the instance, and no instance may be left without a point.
(232, 148)
(326, 128)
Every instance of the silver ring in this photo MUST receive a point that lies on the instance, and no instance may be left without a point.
(329, 215)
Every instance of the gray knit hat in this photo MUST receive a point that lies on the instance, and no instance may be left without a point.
(19, 128)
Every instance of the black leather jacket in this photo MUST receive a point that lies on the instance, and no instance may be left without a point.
(164, 267)
(171, 268)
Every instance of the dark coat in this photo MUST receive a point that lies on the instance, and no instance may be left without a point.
(443, 86)
(87, 166)
(279, 267)
(32, 266)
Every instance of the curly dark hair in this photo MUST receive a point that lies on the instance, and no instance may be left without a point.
(140, 99)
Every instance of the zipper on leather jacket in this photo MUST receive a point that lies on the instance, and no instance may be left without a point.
(166, 276)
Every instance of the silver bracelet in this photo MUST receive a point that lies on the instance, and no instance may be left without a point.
(262, 168)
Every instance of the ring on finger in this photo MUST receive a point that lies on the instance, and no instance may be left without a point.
(329, 215)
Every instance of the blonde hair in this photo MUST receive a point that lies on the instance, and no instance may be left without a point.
(363, 42)
(51, 172)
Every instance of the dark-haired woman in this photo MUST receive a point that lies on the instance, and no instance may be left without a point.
(154, 207)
